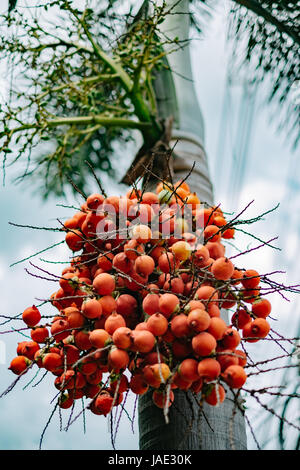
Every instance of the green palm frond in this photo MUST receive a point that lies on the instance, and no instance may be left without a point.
(265, 39)
(11, 5)
(269, 33)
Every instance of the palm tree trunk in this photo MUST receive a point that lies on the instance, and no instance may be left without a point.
(190, 426)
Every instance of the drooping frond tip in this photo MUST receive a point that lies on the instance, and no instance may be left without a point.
(11, 5)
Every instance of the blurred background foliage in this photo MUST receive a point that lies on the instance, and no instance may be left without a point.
(264, 39)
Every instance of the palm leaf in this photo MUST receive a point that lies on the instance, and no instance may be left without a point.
(265, 38)
(11, 5)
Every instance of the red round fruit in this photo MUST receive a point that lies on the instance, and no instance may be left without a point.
(222, 268)
(91, 308)
(39, 334)
(118, 358)
(261, 308)
(240, 318)
(31, 316)
(28, 349)
(108, 304)
(167, 262)
(144, 265)
(235, 376)
(122, 337)
(198, 320)
(52, 362)
(94, 200)
(99, 338)
(157, 324)
(180, 326)
(161, 399)
(204, 344)
(216, 395)
(126, 305)
(226, 358)
(138, 385)
(19, 364)
(60, 329)
(255, 330)
(188, 370)
(104, 284)
(114, 321)
(143, 341)
(217, 327)
(75, 240)
(209, 369)
(168, 304)
(151, 304)
(103, 403)
(250, 279)
(231, 338)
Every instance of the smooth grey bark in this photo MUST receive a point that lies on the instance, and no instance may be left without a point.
(190, 427)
